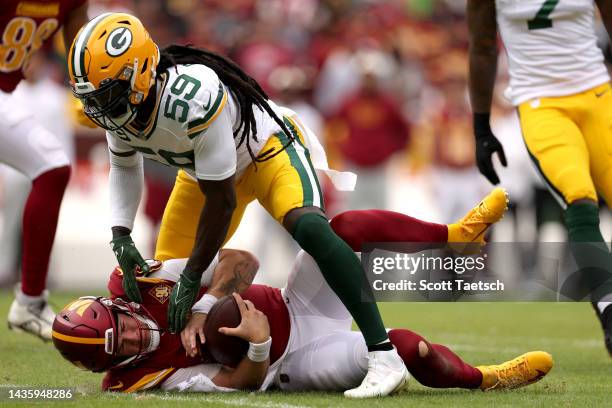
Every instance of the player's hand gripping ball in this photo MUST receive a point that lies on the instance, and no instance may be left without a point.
(231, 324)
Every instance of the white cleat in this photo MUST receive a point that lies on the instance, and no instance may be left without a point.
(35, 318)
(386, 374)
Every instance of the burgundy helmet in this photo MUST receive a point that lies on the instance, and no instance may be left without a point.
(85, 332)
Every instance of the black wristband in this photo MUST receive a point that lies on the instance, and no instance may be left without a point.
(482, 125)
(120, 231)
(191, 276)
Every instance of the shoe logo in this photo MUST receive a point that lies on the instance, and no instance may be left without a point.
(487, 225)
(114, 387)
(600, 94)
(538, 377)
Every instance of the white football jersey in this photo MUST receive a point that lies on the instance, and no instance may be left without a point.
(192, 126)
(551, 46)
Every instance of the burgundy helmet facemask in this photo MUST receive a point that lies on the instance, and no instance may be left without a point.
(86, 332)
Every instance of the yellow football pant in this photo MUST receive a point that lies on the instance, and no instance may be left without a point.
(280, 184)
(569, 139)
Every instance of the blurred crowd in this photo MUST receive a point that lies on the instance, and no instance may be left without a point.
(377, 81)
(382, 83)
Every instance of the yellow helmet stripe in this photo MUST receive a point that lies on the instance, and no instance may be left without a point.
(80, 44)
(80, 340)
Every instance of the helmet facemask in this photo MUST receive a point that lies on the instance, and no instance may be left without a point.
(145, 325)
(109, 106)
(86, 332)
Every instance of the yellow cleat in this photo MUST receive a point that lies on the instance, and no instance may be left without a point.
(519, 372)
(471, 229)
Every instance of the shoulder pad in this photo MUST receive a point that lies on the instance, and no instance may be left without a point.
(207, 101)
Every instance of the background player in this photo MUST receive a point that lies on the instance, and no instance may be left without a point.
(31, 149)
(560, 86)
(312, 347)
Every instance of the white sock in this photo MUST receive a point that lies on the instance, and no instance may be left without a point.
(27, 300)
(602, 305)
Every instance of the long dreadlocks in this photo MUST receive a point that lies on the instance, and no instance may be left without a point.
(246, 90)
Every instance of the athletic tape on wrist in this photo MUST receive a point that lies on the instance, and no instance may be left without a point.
(259, 352)
(204, 304)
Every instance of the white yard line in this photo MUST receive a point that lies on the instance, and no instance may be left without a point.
(224, 399)
(543, 343)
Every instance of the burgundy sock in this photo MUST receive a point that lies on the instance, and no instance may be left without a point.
(39, 224)
(439, 368)
(360, 226)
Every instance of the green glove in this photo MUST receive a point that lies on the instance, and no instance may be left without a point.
(129, 258)
(183, 296)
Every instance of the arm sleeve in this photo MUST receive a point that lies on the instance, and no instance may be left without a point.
(197, 378)
(171, 270)
(126, 181)
(215, 150)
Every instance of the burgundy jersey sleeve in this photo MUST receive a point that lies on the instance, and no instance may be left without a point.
(115, 281)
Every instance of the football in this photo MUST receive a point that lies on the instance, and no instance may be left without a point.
(226, 350)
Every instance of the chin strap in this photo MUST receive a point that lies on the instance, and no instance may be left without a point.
(136, 97)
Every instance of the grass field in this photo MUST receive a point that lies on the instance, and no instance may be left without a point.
(481, 333)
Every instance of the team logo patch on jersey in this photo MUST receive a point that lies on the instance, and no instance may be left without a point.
(118, 41)
(161, 292)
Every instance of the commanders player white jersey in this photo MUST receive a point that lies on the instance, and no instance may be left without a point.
(551, 46)
(192, 126)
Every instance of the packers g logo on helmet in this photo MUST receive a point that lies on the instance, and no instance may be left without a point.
(112, 64)
(118, 41)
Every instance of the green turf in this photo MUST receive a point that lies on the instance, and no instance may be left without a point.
(481, 333)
